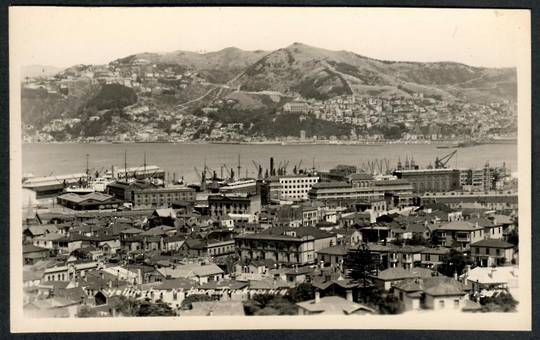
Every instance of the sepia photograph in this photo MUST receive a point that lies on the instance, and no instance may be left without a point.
(269, 168)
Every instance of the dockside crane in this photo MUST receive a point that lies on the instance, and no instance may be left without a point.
(440, 163)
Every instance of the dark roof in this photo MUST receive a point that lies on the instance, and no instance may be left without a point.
(391, 274)
(335, 250)
(439, 251)
(492, 243)
(360, 177)
(460, 226)
(30, 248)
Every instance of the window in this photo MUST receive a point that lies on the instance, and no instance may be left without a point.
(441, 303)
(456, 303)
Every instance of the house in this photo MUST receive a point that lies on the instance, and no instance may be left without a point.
(201, 273)
(437, 292)
(332, 305)
(47, 240)
(285, 245)
(174, 243)
(193, 248)
(459, 233)
(34, 231)
(69, 271)
(352, 237)
(443, 293)
(492, 252)
(404, 256)
(332, 256)
(33, 254)
(299, 275)
(388, 277)
(491, 230)
(163, 216)
(508, 224)
(330, 282)
(486, 280)
(432, 257)
(173, 291)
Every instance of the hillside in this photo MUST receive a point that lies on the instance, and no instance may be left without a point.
(318, 73)
(185, 95)
(216, 67)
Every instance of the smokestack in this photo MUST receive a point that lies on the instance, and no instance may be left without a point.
(272, 166)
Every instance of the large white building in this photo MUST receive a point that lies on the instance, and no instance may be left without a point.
(291, 187)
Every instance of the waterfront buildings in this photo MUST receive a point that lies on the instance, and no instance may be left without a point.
(162, 196)
(291, 187)
(220, 205)
(431, 180)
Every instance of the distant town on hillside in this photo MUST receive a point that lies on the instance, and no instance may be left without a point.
(297, 94)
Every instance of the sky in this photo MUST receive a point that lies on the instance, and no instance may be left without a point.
(64, 37)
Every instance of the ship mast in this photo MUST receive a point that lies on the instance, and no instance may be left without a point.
(239, 167)
(144, 165)
(87, 172)
(125, 165)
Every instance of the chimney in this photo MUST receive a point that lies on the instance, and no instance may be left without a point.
(317, 296)
(349, 295)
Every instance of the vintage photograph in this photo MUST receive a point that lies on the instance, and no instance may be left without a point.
(316, 164)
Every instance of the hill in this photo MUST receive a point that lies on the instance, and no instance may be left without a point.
(321, 74)
(186, 93)
(216, 67)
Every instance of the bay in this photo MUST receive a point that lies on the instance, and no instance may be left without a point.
(181, 159)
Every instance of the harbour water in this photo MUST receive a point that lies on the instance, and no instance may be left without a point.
(180, 159)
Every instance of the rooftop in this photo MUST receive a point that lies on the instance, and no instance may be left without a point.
(333, 305)
(460, 226)
(493, 243)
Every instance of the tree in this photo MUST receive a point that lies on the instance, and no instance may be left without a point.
(302, 292)
(132, 307)
(418, 240)
(361, 263)
(187, 302)
(263, 304)
(390, 305)
(502, 302)
(159, 308)
(454, 262)
(513, 236)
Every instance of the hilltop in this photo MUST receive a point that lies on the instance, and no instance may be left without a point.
(321, 74)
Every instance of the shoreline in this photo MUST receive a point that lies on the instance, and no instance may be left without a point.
(292, 143)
